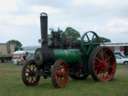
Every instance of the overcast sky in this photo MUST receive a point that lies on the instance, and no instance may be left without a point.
(19, 19)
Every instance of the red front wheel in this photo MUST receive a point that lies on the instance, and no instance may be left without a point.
(60, 76)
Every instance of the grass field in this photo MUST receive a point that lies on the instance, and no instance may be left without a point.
(11, 85)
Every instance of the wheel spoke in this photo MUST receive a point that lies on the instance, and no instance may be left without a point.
(88, 38)
(93, 37)
(102, 54)
(98, 60)
(27, 70)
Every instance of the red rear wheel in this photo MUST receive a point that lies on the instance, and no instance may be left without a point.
(60, 76)
(102, 64)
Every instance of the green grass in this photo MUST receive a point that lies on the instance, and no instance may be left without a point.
(11, 85)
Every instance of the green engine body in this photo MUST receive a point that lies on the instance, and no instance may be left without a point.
(70, 56)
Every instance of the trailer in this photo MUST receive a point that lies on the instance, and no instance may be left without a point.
(6, 51)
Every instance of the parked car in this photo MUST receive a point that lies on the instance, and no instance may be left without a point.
(121, 59)
(18, 57)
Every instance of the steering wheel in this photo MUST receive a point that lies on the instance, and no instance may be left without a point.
(89, 40)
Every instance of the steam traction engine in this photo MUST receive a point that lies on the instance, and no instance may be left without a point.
(61, 58)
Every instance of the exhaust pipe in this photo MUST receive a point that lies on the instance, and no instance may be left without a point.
(46, 52)
(44, 28)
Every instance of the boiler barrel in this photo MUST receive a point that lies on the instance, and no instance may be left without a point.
(68, 55)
